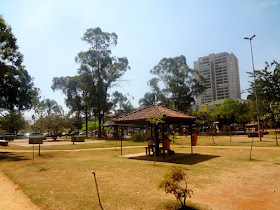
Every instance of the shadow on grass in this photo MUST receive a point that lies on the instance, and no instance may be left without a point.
(178, 158)
(10, 156)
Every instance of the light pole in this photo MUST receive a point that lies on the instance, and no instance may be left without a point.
(250, 39)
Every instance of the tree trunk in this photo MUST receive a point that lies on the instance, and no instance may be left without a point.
(99, 125)
(86, 113)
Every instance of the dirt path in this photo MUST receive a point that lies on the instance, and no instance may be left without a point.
(129, 147)
(12, 197)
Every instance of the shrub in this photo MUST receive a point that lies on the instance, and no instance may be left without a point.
(171, 184)
(140, 136)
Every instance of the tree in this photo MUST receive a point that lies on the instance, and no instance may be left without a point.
(53, 123)
(180, 85)
(17, 90)
(244, 116)
(120, 104)
(12, 122)
(99, 70)
(171, 184)
(273, 116)
(148, 99)
(76, 100)
(267, 83)
(228, 112)
(207, 118)
(48, 106)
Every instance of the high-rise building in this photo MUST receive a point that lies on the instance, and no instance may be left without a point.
(221, 74)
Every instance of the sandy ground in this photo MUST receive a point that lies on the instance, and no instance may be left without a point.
(12, 198)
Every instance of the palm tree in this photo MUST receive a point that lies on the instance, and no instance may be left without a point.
(49, 106)
(148, 99)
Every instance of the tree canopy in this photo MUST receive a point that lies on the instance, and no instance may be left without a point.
(17, 90)
(99, 71)
(179, 84)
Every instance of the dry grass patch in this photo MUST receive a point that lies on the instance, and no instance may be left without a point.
(64, 180)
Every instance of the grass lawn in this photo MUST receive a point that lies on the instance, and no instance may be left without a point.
(222, 178)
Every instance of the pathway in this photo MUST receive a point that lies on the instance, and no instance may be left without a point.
(12, 197)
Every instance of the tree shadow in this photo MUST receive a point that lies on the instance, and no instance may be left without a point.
(178, 158)
(10, 156)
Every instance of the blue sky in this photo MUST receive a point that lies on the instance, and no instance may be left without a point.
(49, 35)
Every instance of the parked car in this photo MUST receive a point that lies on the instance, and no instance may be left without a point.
(21, 136)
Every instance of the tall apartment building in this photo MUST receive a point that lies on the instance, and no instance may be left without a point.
(221, 74)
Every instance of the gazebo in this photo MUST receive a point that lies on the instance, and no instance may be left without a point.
(168, 115)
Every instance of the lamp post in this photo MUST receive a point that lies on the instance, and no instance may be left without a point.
(250, 39)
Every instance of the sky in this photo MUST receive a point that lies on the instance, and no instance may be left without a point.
(49, 35)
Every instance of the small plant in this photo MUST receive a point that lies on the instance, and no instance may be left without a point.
(140, 136)
(171, 184)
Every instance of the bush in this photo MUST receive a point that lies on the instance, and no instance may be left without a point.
(171, 184)
(140, 136)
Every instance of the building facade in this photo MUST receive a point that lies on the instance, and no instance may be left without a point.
(221, 77)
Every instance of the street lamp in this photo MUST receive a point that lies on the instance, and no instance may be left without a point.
(250, 39)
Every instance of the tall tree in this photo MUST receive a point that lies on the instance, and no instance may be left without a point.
(179, 84)
(77, 97)
(99, 69)
(17, 91)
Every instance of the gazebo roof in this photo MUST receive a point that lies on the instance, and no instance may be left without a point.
(141, 115)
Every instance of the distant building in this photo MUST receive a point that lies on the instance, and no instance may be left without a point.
(221, 74)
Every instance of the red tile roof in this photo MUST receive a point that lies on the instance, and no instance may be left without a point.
(169, 115)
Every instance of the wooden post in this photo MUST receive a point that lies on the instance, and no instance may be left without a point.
(163, 144)
(157, 139)
(39, 149)
(191, 131)
(121, 138)
(97, 189)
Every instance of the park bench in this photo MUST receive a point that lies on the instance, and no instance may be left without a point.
(3, 143)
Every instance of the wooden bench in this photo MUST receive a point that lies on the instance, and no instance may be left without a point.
(3, 143)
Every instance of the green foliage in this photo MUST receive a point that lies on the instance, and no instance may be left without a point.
(140, 136)
(155, 119)
(12, 122)
(171, 184)
(17, 90)
(98, 72)
(180, 85)
(267, 83)
(47, 107)
(206, 118)
(120, 104)
(148, 99)
(55, 123)
(91, 126)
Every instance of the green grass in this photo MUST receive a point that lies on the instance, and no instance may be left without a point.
(63, 180)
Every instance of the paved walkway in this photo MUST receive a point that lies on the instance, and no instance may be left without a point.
(12, 197)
